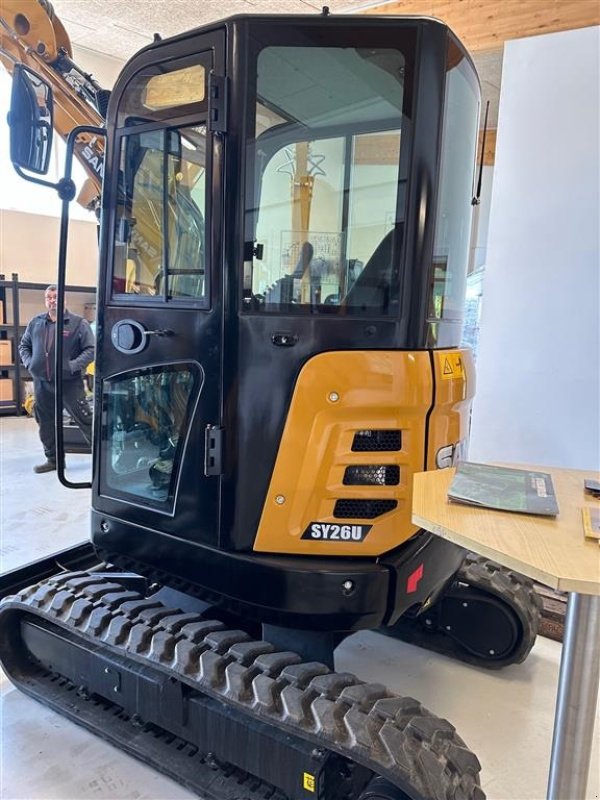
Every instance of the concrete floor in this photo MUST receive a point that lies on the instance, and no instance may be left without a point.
(505, 717)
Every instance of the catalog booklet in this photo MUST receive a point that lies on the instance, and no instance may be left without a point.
(504, 488)
(591, 523)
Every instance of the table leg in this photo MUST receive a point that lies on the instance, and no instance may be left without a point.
(576, 700)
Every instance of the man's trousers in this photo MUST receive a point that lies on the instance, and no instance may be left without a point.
(76, 404)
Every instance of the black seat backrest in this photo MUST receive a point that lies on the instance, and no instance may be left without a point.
(371, 290)
(304, 259)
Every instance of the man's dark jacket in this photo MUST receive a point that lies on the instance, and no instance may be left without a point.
(36, 348)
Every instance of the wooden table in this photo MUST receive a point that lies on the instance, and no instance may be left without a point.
(555, 552)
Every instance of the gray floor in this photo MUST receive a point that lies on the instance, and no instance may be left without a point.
(506, 717)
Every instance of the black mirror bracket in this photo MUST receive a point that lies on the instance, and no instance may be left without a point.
(33, 179)
(66, 189)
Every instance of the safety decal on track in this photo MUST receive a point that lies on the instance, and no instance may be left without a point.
(451, 365)
(309, 782)
(330, 532)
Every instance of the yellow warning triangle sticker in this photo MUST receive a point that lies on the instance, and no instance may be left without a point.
(451, 365)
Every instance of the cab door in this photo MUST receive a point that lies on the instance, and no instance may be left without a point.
(159, 343)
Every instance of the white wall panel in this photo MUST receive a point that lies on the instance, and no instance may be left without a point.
(538, 397)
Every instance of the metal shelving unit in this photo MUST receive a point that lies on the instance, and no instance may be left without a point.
(12, 331)
(14, 370)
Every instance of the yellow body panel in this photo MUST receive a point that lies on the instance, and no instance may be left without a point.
(375, 390)
(450, 419)
(338, 394)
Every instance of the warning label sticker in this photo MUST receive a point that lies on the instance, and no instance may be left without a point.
(451, 365)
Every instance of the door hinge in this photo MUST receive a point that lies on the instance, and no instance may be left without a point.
(253, 250)
(213, 450)
(217, 103)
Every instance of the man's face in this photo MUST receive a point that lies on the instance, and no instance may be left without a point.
(50, 299)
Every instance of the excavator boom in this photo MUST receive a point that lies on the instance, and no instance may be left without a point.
(31, 34)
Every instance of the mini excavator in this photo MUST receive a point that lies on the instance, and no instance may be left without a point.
(284, 234)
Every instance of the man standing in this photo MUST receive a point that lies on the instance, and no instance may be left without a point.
(36, 349)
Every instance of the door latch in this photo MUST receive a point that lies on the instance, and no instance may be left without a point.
(213, 450)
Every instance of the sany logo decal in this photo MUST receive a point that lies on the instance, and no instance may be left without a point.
(451, 454)
(413, 580)
(94, 160)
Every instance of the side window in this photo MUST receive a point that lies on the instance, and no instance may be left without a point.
(326, 207)
(160, 229)
(146, 415)
(455, 191)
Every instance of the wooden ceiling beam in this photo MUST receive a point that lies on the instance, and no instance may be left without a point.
(489, 153)
(487, 24)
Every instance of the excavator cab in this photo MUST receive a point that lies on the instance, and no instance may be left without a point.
(284, 240)
(284, 246)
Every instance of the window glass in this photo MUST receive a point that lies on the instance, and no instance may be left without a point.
(160, 88)
(146, 415)
(455, 192)
(327, 191)
(176, 88)
(160, 221)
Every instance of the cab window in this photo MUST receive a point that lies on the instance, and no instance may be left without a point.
(325, 211)
(145, 423)
(455, 191)
(160, 228)
(159, 90)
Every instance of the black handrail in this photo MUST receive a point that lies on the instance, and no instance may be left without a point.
(66, 191)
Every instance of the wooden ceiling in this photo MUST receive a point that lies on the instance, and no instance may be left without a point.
(484, 26)
(487, 24)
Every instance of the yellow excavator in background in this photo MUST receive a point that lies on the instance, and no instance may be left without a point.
(32, 34)
(274, 364)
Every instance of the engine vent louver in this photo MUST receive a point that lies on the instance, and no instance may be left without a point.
(370, 441)
(362, 509)
(372, 475)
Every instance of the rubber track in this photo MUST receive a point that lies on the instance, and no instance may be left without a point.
(512, 588)
(172, 756)
(393, 736)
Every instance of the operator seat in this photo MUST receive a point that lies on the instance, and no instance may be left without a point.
(371, 290)
(304, 259)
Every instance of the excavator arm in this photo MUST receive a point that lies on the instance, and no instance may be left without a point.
(31, 34)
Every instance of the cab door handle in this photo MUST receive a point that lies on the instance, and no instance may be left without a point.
(161, 332)
(130, 336)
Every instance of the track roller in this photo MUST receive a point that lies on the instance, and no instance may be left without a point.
(380, 789)
(488, 616)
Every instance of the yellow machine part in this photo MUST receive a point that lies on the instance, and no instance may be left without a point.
(31, 34)
(36, 25)
(338, 396)
(342, 395)
(449, 422)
